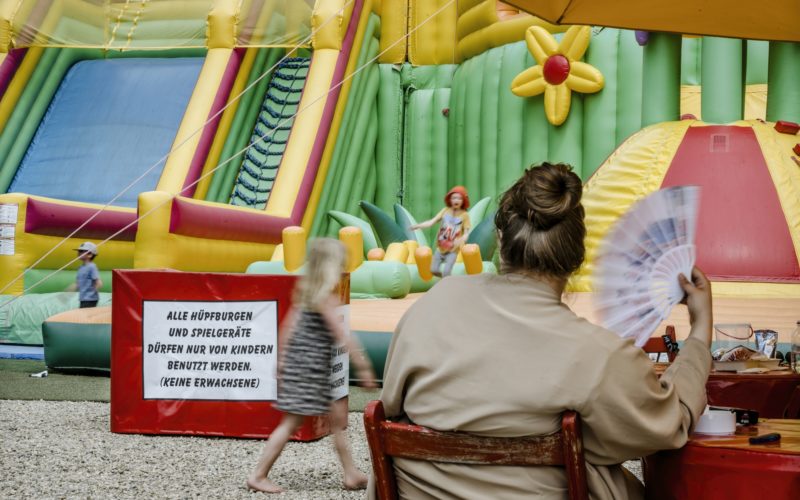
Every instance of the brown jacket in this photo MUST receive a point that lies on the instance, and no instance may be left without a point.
(503, 356)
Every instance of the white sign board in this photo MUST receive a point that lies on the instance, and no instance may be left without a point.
(6, 247)
(210, 350)
(340, 359)
(8, 222)
(8, 213)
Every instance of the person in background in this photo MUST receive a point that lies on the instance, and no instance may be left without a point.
(87, 281)
(502, 355)
(304, 369)
(452, 232)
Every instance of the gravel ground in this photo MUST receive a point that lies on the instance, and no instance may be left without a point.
(64, 450)
(54, 449)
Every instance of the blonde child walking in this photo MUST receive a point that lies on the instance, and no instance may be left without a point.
(305, 365)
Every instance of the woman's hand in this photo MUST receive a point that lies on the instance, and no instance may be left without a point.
(698, 301)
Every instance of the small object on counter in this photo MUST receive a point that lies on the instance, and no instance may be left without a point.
(794, 355)
(738, 353)
(716, 422)
(730, 335)
(743, 417)
(772, 437)
(741, 358)
(766, 342)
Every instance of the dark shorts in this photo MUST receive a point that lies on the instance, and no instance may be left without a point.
(88, 303)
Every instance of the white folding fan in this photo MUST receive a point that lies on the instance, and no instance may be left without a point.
(636, 277)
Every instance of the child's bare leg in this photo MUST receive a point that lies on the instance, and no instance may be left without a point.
(272, 450)
(354, 479)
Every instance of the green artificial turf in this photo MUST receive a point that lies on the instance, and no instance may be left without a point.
(16, 383)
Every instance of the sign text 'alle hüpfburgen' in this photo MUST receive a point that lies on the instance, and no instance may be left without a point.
(210, 350)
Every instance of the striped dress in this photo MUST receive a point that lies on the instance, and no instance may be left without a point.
(305, 383)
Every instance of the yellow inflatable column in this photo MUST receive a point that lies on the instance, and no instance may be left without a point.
(397, 252)
(277, 255)
(294, 248)
(424, 257)
(394, 26)
(221, 24)
(376, 254)
(354, 243)
(412, 246)
(471, 254)
(432, 31)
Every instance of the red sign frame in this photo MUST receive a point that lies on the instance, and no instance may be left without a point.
(131, 413)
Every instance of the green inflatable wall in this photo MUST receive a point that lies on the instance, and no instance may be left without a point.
(425, 152)
(494, 134)
(353, 173)
(438, 126)
(21, 320)
(58, 282)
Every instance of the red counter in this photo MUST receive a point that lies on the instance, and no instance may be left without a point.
(728, 468)
(774, 394)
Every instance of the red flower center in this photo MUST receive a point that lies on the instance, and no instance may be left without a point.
(556, 69)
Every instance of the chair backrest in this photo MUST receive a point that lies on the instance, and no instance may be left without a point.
(391, 439)
(659, 345)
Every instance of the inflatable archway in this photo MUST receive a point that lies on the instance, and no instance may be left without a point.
(748, 236)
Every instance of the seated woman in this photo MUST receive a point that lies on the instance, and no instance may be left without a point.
(502, 355)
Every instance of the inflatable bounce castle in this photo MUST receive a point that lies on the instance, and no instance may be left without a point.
(191, 136)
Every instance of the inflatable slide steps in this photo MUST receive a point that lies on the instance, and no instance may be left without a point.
(270, 135)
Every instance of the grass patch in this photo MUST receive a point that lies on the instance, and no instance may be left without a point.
(16, 383)
(57, 386)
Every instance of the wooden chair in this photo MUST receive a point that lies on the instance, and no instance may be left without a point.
(390, 439)
(659, 345)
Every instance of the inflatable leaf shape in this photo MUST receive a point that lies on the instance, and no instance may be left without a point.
(351, 220)
(478, 211)
(387, 229)
(405, 220)
(485, 236)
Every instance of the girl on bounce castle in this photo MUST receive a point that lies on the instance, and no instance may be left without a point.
(453, 231)
(304, 369)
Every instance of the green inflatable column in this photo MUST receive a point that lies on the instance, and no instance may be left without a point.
(661, 79)
(723, 80)
(783, 99)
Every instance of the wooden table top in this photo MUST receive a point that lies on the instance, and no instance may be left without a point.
(789, 443)
(659, 368)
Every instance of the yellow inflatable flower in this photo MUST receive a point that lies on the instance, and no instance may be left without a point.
(559, 70)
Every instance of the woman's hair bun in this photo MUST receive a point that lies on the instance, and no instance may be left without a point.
(540, 224)
(546, 194)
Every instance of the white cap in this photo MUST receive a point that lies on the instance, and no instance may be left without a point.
(88, 246)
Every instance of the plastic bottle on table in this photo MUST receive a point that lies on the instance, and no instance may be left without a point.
(794, 358)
